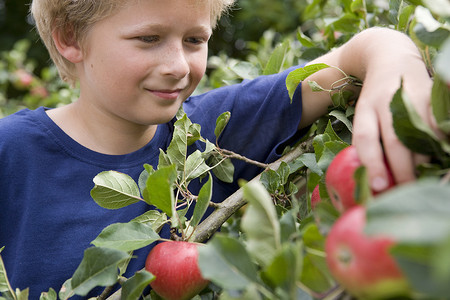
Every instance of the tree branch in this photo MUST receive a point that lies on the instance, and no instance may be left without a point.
(232, 204)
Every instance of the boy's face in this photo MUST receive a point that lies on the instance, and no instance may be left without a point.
(141, 63)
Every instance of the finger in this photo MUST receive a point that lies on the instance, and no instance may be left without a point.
(366, 139)
(399, 158)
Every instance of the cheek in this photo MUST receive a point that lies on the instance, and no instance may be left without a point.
(198, 67)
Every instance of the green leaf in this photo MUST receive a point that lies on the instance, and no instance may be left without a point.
(159, 189)
(362, 191)
(260, 223)
(50, 295)
(439, 7)
(404, 16)
(193, 133)
(221, 123)
(315, 87)
(429, 30)
(416, 263)
(295, 77)
(142, 180)
(204, 197)
(66, 290)
(177, 150)
(5, 287)
(443, 61)
(304, 40)
(270, 179)
(126, 236)
(22, 294)
(285, 268)
(415, 213)
(308, 160)
(99, 267)
(225, 262)
(410, 128)
(223, 168)
(114, 190)
(132, 288)
(276, 60)
(341, 116)
(195, 166)
(245, 70)
(315, 273)
(154, 218)
(440, 103)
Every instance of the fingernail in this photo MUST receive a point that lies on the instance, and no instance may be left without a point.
(379, 184)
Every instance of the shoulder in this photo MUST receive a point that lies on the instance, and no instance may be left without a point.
(17, 127)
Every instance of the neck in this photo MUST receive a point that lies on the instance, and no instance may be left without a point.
(99, 132)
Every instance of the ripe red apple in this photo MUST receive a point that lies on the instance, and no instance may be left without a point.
(174, 263)
(339, 178)
(315, 197)
(362, 263)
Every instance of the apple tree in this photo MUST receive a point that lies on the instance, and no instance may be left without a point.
(272, 243)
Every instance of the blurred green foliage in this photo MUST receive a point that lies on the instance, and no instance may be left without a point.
(242, 44)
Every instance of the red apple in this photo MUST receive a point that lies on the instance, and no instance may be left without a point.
(339, 178)
(315, 197)
(361, 263)
(174, 263)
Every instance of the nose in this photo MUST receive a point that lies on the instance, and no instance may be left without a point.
(175, 61)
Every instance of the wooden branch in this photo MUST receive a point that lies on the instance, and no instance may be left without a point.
(232, 204)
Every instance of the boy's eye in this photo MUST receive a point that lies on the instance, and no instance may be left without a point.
(148, 39)
(195, 40)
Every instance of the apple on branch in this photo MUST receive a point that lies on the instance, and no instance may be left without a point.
(340, 181)
(175, 266)
(362, 264)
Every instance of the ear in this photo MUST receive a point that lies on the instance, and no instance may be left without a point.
(67, 45)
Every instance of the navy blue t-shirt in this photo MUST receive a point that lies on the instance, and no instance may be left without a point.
(47, 216)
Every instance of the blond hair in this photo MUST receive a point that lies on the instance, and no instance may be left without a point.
(75, 17)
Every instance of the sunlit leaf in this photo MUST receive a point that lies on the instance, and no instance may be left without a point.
(276, 60)
(159, 189)
(195, 166)
(126, 236)
(300, 74)
(154, 218)
(114, 190)
(221, 123)
(66, 290)
(260, 223)
(5, 287)
(50, 295)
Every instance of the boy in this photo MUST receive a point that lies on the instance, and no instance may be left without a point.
(136, 62)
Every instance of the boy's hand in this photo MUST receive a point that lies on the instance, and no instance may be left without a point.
(382, 58)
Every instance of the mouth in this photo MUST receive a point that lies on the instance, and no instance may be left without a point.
(166, 94)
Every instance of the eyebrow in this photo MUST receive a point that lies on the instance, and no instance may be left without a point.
(158, 27)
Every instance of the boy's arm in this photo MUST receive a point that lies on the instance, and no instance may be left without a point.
(381, 58)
